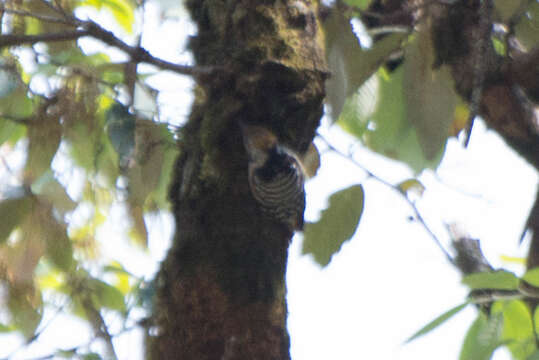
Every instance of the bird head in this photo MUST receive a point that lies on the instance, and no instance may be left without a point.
(258, 142)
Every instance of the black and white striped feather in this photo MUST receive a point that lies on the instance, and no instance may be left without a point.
(278, 186)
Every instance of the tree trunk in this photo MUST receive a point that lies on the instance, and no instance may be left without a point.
(221, 290)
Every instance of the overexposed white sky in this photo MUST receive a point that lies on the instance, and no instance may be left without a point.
(390, 279)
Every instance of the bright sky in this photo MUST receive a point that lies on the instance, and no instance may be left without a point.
(390, 279)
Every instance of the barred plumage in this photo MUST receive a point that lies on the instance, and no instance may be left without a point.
(276, 177)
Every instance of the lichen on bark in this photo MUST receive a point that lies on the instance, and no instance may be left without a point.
(221, 290)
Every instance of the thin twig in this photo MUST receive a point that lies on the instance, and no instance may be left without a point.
(14, 40)
(37, 334)
(43, 18)
(489, 296)
(16, 120)
(75, 349)
(395, 188)
(98, 324)
(89, 28)
(57, 9)
(139, 54)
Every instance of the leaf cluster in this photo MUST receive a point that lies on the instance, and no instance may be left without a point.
(87, 132)
(506, 322)
(390, 92)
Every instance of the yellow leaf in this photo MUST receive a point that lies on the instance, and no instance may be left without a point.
(51, 280)
(121, 10)
(460, 119)
(513, 259)
(412, 186)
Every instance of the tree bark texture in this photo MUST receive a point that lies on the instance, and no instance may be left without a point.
(221, 289)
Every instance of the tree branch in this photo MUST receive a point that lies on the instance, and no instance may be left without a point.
(469, 259)
(43, 18)
(89, 28)
(504, 104)
(484, 30)
(98, 324)
(15, 40)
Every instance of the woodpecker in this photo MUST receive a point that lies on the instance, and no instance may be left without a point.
(276, 177)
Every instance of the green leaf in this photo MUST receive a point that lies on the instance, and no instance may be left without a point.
(112, 73)
(414, 108)
(517, 327)
(10, 130)
(532, 277)
(67, 354)
(146, 176)
(122, 277)
(75, 56)
(153, 141)
(44, 135)
(6, 328)
(121, 10)
(336, 225)
(499, 46)
(526, 29)
(37, 26)
(358, 108)
(105, 295)
(47, 188)
(506, 8)
(534, 356)
(501, 280)
(26, 308)
(158, 197)
(14, 100)
(88, 142)
(388, 130)
(429, 96)
(52, 279)
(483, 337)
(44, 228)
(91, 356)
(116, 268)
(24, 254)
(437, 322)
(59, 249)
(138, 231)
(362, 4)
(12, 212)
(350, 65)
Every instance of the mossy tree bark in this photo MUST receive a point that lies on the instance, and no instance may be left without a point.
(221, 290)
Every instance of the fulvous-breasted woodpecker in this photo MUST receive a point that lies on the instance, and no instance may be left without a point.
(276, 177)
